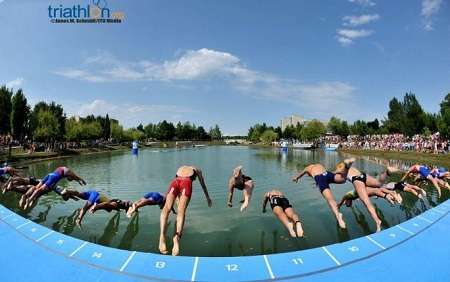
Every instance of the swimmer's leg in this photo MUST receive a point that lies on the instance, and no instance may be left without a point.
(279, 213)
(417, 188)
(36, 194)
(181, 214)
(328, 196)
(25, 196)
(435, 183)
(108, 206)
(360, 188)
(297, 225)
(412, 191)
(170, 200)
(247, 194)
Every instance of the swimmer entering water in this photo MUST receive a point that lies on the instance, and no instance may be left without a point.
(149, 199)
(92, 199)
(181, 188)
(284, 211)
(241, 182)
(323, 179)
(360, 181)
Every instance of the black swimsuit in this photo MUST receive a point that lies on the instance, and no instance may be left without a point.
(279, 201)
(362, 177)
(241, 186)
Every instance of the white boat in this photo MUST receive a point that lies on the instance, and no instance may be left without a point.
(303, 146)
(284, 144)
(330, 147)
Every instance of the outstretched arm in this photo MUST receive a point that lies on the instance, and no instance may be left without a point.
(83, 211)
(230, 191)
(410, 170)
(265, 200)
(300, 174)
(202, 183)
(72, 176)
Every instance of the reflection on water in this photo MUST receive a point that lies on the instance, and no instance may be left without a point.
(219, 231)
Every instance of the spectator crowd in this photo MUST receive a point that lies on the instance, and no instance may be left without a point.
(433, 143)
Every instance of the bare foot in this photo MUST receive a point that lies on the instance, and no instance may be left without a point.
(341, 221)
(243, 207)
(378, 223)
(291, 230)
(131, 211)
(299, 229)
(391, 169)
(163, 247)
(22, 201)
(176, 245)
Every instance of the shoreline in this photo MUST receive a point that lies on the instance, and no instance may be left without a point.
(24, 158)
(425, 158)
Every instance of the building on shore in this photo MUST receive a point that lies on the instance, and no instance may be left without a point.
(292, 120)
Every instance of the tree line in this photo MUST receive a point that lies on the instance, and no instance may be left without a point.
(405, 116)
(47, 122)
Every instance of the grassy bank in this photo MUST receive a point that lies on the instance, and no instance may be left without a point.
(425, 158)
(20, 156)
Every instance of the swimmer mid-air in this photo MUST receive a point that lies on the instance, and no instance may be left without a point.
(181, 188)
(241, 182)
(149, 199)
(406, 187)
(284, 211)
(425, 173)
(48, 183)
(93, 199)
(323, 179)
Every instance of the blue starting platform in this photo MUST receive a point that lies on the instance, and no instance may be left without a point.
(415, 250)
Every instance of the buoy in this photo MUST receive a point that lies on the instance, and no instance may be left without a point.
(134, 148)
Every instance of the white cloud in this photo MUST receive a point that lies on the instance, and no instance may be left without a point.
(202, 64)
(364, 3)
(354, 33)
(347, 36)
(16, 83)
(429, 9)
(129, 114)
(360, 20)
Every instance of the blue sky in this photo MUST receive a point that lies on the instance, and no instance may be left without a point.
(234, 62)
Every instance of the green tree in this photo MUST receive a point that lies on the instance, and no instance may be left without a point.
(414, 115)
(396, 117)
(359, 127)
(73, 130)
(19, 115)
(151, 131)
(443, 122)
(334, 125)
(47, 127)
(269, 136)
(313, 130)
(289, 132)
(373, 126)
(117, 131)
(215, 133)
(5, 110)
(165, 131)
(345, 129)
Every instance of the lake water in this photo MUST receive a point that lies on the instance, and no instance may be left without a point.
(216, 231)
